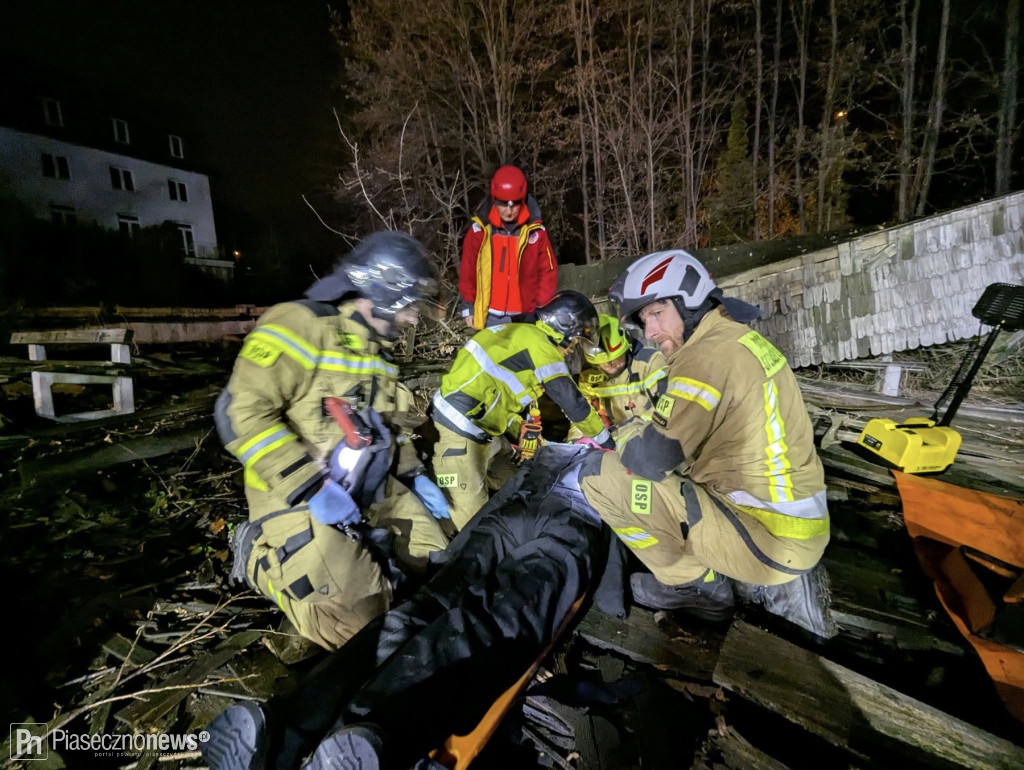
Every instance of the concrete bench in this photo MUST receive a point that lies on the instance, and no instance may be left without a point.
(43, 381)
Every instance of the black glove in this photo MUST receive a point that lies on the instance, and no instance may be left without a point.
(379, 463)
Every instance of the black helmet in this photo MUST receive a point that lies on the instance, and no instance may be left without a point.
(389, 268)
(568, 316)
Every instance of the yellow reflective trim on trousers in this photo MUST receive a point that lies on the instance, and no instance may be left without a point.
(635, 537)
(694, 390)
(275, 595)
(793, 527)
(252, 479)
(780, 481)
(290, 343)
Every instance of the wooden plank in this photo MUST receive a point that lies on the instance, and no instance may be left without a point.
(10, 365)
(870, 600)
(737, 753)
(73, 337)
(641, 639)
(124, 649)
(146, 710)
(851, 711)
(54, 469)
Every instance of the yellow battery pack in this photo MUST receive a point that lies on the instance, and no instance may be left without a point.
(914, 446)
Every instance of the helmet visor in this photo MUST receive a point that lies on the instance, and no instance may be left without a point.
(406, 289)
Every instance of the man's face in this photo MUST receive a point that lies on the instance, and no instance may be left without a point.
(508, 211)
(663, 326)
(613, 369)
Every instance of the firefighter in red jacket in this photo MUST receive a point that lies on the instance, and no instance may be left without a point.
(508, 266)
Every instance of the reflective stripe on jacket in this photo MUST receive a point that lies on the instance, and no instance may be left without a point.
(271, 415)
(496, 376)
(734, 421)
(527, 282)
(633, 392)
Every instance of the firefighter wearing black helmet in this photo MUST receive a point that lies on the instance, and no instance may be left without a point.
(307, 543)
(497, 375)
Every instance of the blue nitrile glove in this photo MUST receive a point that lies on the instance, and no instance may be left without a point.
(332, 505)
(431, 496)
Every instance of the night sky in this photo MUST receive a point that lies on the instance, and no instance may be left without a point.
(253, 83)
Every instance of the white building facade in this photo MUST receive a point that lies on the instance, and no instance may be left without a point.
(68, 182)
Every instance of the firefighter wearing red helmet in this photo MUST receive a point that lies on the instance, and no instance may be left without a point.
(508, 266)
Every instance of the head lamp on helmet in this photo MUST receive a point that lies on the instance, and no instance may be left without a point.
(569, 316)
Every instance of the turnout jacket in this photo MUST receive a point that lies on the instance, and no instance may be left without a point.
(631, 393)
(511, 270)
(498, 373)
(733, 420)
(271, 415)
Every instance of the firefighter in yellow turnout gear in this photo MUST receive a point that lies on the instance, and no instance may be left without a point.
(306, 544)
(725, 482)
(495, 377)
(626, 379)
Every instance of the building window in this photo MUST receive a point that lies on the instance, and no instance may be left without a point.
(121, 131)
(55, 166)
(177, 191)
(128, 224)
(188, 244)
(121, 179)
(51, 112)
(63, 215)
(177, 149)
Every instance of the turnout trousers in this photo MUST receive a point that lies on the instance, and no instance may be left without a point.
(330, 583)
(679, 530)
(468, 471)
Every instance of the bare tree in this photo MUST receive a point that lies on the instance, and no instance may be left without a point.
(908, 57)
(772, 117)
(800, 11)
(925, 169)
(1008, 102)
(758, 98)
(825, 159)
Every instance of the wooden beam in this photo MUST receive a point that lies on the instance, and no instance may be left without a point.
(73, 337)
(851, 711)
(640, 638)
(56, 468)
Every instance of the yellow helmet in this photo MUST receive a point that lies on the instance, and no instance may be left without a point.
(614, 342)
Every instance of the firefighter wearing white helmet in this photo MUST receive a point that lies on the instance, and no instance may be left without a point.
(723, 490)
(625, 377)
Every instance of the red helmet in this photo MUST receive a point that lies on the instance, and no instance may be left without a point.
(509, 185)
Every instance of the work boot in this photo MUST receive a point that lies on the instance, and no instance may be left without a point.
(804, 601)
(242, 539)
(711, 601)
(355, 747)
(238, 739)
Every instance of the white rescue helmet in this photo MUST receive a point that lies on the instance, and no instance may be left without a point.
(673, 275)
